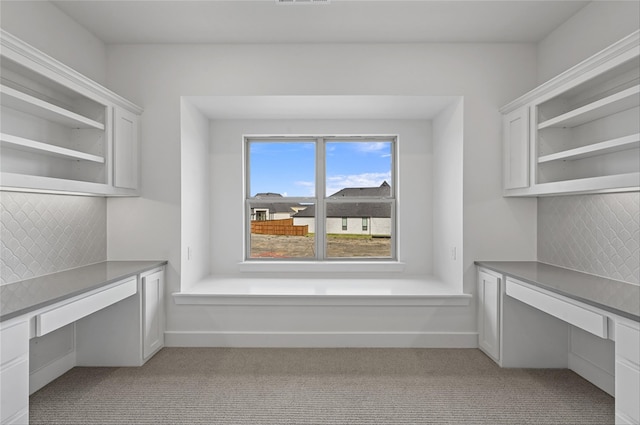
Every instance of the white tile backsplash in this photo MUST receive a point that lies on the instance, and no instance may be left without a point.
(597, 234)
(42, 233)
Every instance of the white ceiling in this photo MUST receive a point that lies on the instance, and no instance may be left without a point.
(339, 21)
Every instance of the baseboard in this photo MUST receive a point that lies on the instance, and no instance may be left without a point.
(55, 369)
(592, 373)
(322, 339)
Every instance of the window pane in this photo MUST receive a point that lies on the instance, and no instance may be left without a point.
(358, 168)
(288, 231)
(355, 239)
(281, 169)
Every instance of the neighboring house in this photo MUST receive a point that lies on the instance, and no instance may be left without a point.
(359, 218)
(272, 210)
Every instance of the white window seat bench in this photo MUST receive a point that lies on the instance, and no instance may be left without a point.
(300, 290)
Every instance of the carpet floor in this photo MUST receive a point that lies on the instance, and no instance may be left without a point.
(320, 386)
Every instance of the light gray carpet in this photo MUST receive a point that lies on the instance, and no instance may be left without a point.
(320, 386)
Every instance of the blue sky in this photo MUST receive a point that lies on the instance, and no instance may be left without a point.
(288, 168)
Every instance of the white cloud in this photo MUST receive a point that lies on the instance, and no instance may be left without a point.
(372, 147)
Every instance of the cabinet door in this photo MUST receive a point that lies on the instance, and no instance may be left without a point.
(14, 373)
(627, 374)
(516, 148)
(489, 314)
(153, 312)
(125, 149)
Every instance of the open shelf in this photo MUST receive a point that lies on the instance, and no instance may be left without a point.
(20, 101)
(621, 101)
(609, 146)
(602, 184)
(20, 143)
(62, 132)
(579, 132)
(43, 184)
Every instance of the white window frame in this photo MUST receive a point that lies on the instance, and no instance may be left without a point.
(321, 199)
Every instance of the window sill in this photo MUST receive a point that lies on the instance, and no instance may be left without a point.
(322, 266)
(414, 291)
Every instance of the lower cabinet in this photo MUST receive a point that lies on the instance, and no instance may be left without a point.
(127, 333)
(627, 373)
(489, 313)
(523, 326)
(152, 312)
(14, 370)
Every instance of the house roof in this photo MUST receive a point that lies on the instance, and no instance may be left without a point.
(267, 195)
(383, 190)
(274, 207)
(355, 209)
(358, 209)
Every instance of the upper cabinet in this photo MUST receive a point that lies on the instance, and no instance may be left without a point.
(62, 132)
(516, 148)
(125, 149)
(579, 132)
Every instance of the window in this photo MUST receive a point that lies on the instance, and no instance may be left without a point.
(320, 198)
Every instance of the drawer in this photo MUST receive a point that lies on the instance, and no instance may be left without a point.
(69, 313)
(578, 316)
(14, 341)
(628, 392)
(14, 389)
(628, 343)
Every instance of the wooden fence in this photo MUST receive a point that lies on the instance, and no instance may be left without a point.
(278, 227)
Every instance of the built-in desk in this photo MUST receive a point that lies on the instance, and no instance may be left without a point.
(533, 314)
(114, 308)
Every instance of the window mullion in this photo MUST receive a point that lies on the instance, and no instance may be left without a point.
(320, 204)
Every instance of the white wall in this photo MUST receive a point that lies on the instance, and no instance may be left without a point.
(448, 148)
(414, 159)
(156, 76)
(195, 191)
(45, 27)
(593, 28)
(375, 226)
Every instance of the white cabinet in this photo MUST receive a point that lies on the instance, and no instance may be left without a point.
(583, 128)
(127, 333)
(516, 148)
(526, 326)
(14, 372)
(61, 131)
(152, 312)
(125, 149)
(489, 313)
(627, 373)
(512, 333)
